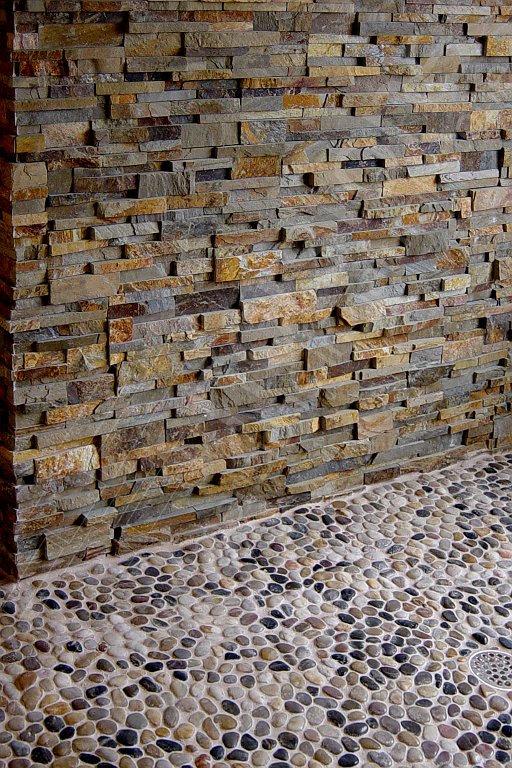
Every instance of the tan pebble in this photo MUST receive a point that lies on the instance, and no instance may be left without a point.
(171, 716)
(84, 744)
(185, 731)
(118, 714)
(260, 758)
(62, 749)
(408, 738)
(53, 705)
(25, 680)
(323, 757)
(211, 729)
(203, 740)
(86, 729)
(119, 698)
(297, 723)
(31, 698)
(359, 694)
(153, 750)
(313, 677)
(126, 762)
(154, 716)
(70, 761)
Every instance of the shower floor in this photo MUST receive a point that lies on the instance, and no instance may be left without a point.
(340, 633)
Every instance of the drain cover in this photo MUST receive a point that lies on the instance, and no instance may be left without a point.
(493, 668)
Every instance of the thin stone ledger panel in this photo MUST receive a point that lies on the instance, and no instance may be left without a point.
(253, 254)
(341, 633)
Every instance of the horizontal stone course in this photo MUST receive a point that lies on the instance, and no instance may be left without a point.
(251, 256)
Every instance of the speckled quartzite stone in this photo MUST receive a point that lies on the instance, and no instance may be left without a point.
(317, 636)
(254, 254)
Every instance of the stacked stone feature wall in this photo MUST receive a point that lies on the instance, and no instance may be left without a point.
(10, 206)
(264, 254)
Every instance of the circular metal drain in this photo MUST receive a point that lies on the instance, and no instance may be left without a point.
(493, 668)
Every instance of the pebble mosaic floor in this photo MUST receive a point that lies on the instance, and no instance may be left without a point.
(340, 633)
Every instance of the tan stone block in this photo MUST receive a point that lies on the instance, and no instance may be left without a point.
(115, 209)
(498, 46)
(144, 436)
(65, 134)
(248, 167)
(238, 478)
(485, 120)
(279, 306)
(199, 40)
(87, 358)
(371, 423)
(166, 43)
(456, 282)
(71, 412)
(72, 539)
(497, 197)
(68, 462)
(121, 330)
(209, 134)
(137, 371)
(30, 144)
(342, 176)
(504, 270)
(335, 395)
(216, 321)
(50, 105)
(84, 287)
(338, 419)
(27, 175)
(359, 314)
(58, 36)
(247, 265)
(462, 349)
(418, 186)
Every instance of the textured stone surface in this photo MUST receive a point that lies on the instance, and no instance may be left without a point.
(251, 253)
(338, 633)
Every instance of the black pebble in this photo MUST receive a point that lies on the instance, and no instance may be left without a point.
(249, 742)
(230, 707)
(168, 745)
(127, 737)
(96, 690)
(356, 729)
(42, 755)
(347, 761)
(288, 740)
(51, 604)
(230, 739)
(279, 666)
(64, 668)
(150, 685)
(74, 646)
(54, 723)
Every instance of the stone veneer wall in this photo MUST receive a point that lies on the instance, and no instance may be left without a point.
(7, 286)
(264, 253)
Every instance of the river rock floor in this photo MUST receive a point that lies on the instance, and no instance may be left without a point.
(339, 633)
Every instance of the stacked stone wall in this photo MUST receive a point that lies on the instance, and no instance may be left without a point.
(263, 254)
(8, 203)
